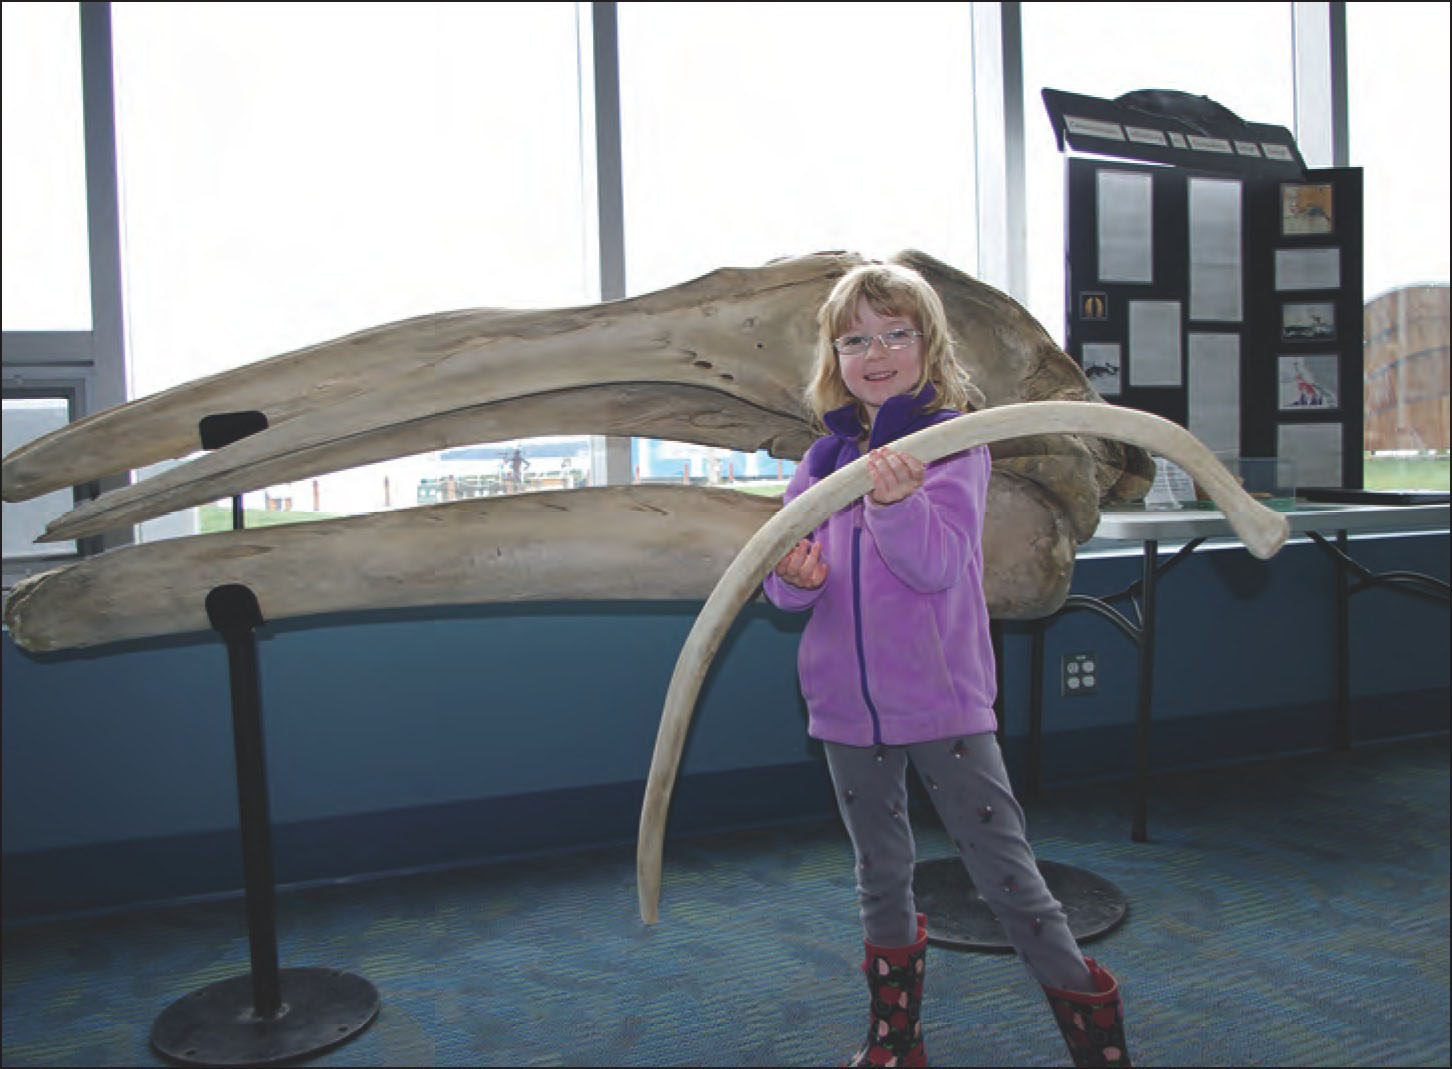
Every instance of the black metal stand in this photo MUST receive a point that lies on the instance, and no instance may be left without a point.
(224, 428)
(995, 634)
(1415, 584)
(959, 918)
(957, 914)
(1142, 634)
(268, 1015)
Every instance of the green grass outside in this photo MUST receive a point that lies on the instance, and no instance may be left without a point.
(219, 517)
(761, 489)
(1406, 473)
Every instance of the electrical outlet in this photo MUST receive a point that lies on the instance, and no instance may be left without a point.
(1079, 674)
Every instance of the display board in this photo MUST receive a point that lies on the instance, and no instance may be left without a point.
(1229, 303)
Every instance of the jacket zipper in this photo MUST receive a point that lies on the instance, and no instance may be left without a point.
(857, 621)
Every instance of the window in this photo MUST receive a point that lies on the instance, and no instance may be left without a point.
(48, 347)
(27, 418)
(753, 131)
(1239, 55)
(44, 173)
(756, 131)
(1398, 133)
(321, 175)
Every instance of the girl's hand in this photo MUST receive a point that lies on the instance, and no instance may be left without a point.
(803, 566)
(894, 475)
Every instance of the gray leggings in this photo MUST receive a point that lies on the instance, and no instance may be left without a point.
(968, 784)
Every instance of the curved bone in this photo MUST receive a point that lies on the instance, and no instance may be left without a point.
(1262, 530)
(610, 543)
(740, 336)
(718, 361)
(670, 411)
(637, 543)
(740, 331)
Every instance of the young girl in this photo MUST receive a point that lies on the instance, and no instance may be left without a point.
(896, 662)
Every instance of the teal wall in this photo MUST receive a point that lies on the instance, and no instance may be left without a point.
(406, 740)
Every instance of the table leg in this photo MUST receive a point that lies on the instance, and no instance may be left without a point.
(1036, 708)
(1341, 735)
(995, 632)
(1138, 831)
(1414, 583)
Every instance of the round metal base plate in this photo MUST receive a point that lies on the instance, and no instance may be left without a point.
(218, 1024)
(958, 917)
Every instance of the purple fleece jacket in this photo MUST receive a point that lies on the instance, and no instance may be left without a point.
(897, 649)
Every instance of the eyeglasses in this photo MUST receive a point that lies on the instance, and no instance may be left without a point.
(858, 344)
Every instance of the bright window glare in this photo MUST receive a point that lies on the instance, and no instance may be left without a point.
(755, 131)
(322, 174)
(1399, 135)
(1239, 55)
(46, 282)
(289, 175)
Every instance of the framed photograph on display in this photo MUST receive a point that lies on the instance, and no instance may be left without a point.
(1309, 382)
(1102, 367)
(1307, 208)
(1308, 321)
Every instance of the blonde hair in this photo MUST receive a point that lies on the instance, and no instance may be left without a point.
(890, 290)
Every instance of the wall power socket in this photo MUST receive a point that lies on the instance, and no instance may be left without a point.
(1079, 674)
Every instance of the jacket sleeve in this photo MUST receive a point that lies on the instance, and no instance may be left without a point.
(928, 537)
(779, 592)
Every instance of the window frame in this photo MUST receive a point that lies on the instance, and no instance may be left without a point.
(90, 367)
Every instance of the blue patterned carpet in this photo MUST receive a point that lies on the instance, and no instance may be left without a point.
(1287, 913)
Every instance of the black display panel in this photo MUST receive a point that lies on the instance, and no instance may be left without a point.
(1229, 303)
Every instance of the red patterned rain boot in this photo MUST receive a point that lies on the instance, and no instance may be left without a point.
(895, 979)
(1093, 1024)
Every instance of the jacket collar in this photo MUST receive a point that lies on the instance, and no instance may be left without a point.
(898, 416)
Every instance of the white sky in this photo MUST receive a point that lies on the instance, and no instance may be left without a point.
(350, 172)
